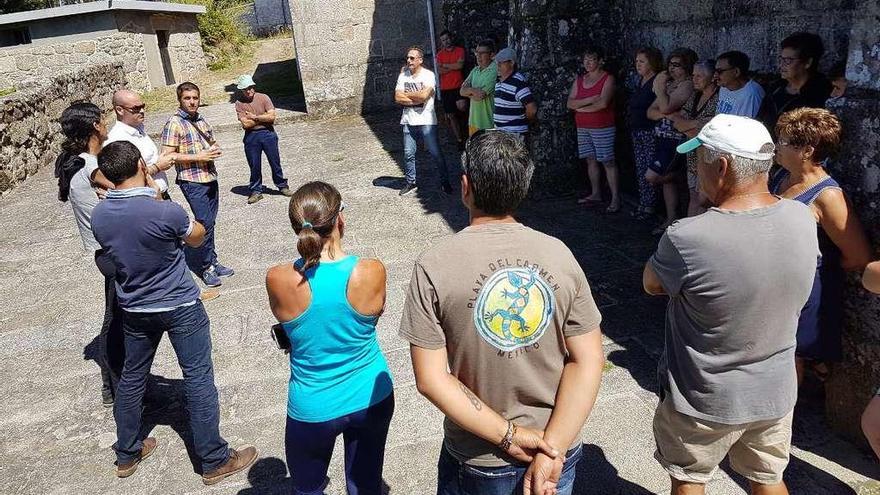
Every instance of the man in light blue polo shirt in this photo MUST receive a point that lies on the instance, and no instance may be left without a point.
(142, 237)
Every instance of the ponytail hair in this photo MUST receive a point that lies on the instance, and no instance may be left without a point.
(78, 125)
(313, 211)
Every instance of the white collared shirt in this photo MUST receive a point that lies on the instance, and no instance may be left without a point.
(148, 149)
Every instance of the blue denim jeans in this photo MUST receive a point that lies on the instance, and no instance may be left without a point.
(255, 144)
(309, 447)
(429, 134)
(457, 478)
(204, 201)
(190, 333)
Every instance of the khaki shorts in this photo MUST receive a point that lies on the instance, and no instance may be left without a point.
(690, 449)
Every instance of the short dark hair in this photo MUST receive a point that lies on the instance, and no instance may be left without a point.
(118, 161)
(487, 43)
(595, 51)
(78, 125)
(737, 59)
(186, 86)
(446, 32)
(808, 46)
(654, 56)
(838, 71)
(499, 171)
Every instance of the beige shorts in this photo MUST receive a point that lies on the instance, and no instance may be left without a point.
(690, 449)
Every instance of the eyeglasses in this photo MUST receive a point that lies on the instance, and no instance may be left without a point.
(341, 207)
(674, 65)
(783, 142)
(137, 109)
(722, 70)
(786, 61)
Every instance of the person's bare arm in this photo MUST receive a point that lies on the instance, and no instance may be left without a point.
(246, 123)
(462, 406)
(366, 287)
(202, 156)
(100, 181)
(871, 277)
(654, 112)
(667, 104)
(651, 282)
(842, 225)
(265, 118)
(196, 236)
(420, 97)
(532, 112)
(402, 98)
(602, 100)
(575, 397)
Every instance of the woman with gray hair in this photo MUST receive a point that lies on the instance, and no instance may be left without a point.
(698, 110)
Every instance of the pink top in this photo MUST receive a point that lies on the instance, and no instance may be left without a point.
(593, 120)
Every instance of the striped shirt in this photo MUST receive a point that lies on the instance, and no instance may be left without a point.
(511, 97)
(182, 132)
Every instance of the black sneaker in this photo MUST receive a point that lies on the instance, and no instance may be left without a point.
(408, 188)
(447, 187)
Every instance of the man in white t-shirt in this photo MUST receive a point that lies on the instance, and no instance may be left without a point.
(738, 95)
(415, 93)
(129, 126)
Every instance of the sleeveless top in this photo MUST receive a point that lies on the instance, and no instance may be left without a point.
(639, 102)
(336, 366)
(821, 319)
(593, 120)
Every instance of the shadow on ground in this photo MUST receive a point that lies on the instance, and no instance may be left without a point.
(268, 476)
(281, 81)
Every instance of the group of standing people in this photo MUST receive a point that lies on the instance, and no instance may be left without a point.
(147, 248)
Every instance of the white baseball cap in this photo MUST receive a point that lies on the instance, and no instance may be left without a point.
(740, 136)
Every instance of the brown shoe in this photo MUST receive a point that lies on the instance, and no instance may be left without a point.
(239, 460)
(209, 294)
(128, 469)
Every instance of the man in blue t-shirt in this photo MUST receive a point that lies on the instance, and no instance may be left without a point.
(515, 107)
(144, 239)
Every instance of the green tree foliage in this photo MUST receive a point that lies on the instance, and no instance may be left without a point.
(223, 36)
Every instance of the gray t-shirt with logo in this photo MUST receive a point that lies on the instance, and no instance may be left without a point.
(737, 281)
(502, 299)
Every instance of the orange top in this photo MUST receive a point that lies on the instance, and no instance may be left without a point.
(452, 79)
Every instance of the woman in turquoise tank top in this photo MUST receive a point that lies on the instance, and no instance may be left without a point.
(328, 303)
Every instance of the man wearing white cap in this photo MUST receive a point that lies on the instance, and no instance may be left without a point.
(737, 277)
(515, 107)
(257, 116)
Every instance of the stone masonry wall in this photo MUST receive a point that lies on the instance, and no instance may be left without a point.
(351, 51)
(30, 136)
(857, 378)
(35, 62)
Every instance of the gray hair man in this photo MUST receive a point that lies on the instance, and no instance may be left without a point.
(737, 277)
(130, 113)
(506, 340)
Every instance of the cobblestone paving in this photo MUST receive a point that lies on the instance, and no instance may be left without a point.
(56, 436)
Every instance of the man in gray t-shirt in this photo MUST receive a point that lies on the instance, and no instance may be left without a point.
(737, 277)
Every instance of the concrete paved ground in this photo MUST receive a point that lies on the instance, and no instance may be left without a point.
(56, 437)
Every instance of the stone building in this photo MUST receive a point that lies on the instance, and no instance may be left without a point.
(267, 17)
(158, 43)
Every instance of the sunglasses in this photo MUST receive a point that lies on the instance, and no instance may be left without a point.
(137, 109)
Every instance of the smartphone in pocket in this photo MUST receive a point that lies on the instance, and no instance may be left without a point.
(280, 337)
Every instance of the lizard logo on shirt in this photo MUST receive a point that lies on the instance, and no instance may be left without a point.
(513, 308)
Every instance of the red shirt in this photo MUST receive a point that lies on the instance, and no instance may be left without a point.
(593, 120)
(454, 78)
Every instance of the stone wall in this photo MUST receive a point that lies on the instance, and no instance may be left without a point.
(351, 51)
(266, 17)
(854, 381)
(30, 136)
(39, 61)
